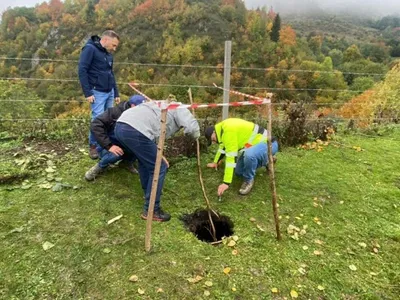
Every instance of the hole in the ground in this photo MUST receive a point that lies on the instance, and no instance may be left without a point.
(199, 223)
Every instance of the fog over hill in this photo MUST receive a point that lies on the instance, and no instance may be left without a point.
(358, 7)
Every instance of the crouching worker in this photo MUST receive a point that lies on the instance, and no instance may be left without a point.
(137, 130)
(110, 151)
(244, 144)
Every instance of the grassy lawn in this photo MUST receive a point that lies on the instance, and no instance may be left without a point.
(344, 203)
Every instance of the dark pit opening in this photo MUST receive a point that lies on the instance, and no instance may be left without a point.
(199, 223)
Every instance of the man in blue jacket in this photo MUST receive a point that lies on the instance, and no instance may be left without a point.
(97, 77)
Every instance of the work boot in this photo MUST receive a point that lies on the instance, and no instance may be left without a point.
(158, 216)
(246, 187)
(93, 172)
(93, 154)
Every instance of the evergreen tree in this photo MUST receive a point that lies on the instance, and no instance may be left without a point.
(276, 27)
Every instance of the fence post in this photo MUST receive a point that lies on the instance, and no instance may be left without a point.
(227, 77)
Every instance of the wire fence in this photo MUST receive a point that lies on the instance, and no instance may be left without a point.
(219, 67)
(266, 88)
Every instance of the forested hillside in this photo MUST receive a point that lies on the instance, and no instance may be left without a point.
(337, 59)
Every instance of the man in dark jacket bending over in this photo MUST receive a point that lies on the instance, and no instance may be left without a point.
(110, 151)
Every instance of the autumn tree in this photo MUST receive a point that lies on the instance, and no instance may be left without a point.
(287, 36)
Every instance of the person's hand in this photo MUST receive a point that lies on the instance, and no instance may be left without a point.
(166, 161)
(117, 100)
(212, 165)
(116, 150)
(222, 188)
(90, 99)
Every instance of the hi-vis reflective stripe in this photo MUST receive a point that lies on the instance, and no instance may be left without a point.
(221, 151)
(254, 134)
(232, 165)
(231, 154)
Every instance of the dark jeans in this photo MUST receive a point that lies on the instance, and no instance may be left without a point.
(108, 158)
(145, 151)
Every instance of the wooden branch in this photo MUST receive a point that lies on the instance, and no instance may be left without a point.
(213, 231)
(272, 173)
(160, 147)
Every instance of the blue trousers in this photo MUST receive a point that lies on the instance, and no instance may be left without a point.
(108, 158)
(102, 101)
(252, 159)
(145, 151)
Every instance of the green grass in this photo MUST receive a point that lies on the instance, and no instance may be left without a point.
(357, 201)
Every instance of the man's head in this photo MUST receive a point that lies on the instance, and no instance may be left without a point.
(109, 40)
(136, 100)
(210, 135)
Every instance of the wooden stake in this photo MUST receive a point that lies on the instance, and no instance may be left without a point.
(272, 173)
(156, 176)
(213, 231)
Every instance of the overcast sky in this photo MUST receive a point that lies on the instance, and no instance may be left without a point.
(380, 7)
(371, 7)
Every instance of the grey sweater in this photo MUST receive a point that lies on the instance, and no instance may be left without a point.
(146, 117)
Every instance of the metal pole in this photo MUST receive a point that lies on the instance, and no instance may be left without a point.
(227, 77)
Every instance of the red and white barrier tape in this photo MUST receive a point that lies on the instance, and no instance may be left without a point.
(269, 95)
(178, 105)
(132, 85)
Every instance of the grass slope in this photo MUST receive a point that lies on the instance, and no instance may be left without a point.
(349, 201)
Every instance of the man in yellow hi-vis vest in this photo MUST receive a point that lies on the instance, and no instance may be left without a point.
(244, 145)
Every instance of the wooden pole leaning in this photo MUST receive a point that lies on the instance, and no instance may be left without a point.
(271, 172)
(160, 148)
(213, 231)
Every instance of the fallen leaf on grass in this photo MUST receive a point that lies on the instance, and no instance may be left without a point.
(134, 278)
(208, 283)
(233, 289)
(375, 250)
(252, 219)
(47, 245)
(320, 287)
(302, 271)
(260, 228)
(195, 280)
(294, 294)
(318, 253)
(207, 293)
(227, 270)
(319, 242)
(18, 229)
(107, 250)
(114, 219)
(274, 290)
(140, 291)
(305, 247)
(353, 267)
(362, 245)
(235, 238)
(231, 243)
(160, 290)
(234, 252)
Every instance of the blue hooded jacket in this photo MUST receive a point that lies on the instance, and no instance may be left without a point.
(96, 69)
